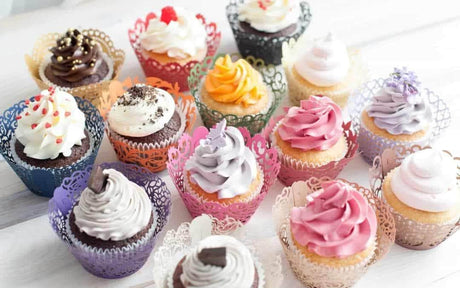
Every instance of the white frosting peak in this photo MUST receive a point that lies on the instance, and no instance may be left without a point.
(238, 272)
(269, 15)
(51, 124)
(178, 39)
(426, 180)
(325, 63)
(121, 211)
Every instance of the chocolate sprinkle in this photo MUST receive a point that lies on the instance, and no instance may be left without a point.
(213, 256)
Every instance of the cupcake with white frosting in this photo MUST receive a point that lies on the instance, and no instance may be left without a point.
(261, 26)
(424, 195)
(218, 261)
(322, 66)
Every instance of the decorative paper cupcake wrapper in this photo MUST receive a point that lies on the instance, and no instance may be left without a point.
(269, 49)
(43, 181)
(319, 275)
(172, 72)
(150, 155)
(178, 243)
(110, 263)
(242, 212)
(272, 77)
(297, 91)
(294, 170)
(97, 93)
(409, 233)
(372, 145)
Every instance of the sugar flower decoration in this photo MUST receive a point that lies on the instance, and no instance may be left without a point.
(406, 83)
(216, 136)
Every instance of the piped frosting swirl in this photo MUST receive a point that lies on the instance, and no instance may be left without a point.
(426, 180)
(337, 221)
(121, 211)
(315, 125)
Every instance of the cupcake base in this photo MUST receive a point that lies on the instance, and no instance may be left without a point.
(165, 59)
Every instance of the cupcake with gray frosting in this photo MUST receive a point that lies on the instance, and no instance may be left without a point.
(217, 262)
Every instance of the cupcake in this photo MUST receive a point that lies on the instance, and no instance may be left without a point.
(143, 119)
(261, 27)
(330, 231)
(223, 169)
(54, 135)
(322, 66)
(399, 113)
(173, 40)
(218, 260)
(223, 172)
(311, 137)
(80, 62)
(111, 225)
(424, 195)
(234, 90)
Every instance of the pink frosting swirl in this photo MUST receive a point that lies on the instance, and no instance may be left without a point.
(336, 222)
(315, 125)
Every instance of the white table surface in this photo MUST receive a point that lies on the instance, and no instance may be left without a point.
(422, 35)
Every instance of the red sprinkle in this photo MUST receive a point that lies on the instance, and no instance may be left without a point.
(36, 107)
(27, 102)
(51, 99)
(56, 113)
(27, 113)
(44, 111)
(33, 126)
(59, 140)
(38, 97)
(67, 114)
(262, 5)
(18, 117)
(168, 14)
(51, 90)
(47, 125)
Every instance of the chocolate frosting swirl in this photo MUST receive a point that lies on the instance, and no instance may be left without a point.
(75, 56)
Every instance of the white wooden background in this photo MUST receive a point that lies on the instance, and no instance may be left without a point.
(422, 35)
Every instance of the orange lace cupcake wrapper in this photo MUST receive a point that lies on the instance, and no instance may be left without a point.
(97, 93)
(149, 155)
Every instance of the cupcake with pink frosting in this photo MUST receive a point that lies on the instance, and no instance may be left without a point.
(311, 137)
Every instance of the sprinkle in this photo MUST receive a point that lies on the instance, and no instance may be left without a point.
(59, 58)
(59, 141)
(33, 126)
(36, 107)
(51, 90)
(51, 99)
(18, 117)
(56, 113)
(47, 125)
(67, 114)
(27, 102)
(27, 113)
(44, 111)
(37, 98)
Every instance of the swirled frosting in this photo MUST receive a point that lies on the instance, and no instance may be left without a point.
(234, 82)
(177, 33)
(50, 124)
(121, 211)
(269, 15)
(426, 180)
(238, 272)
(75, 56)
(222, 163)
(315, 125)
(325, 63)
(141, 111)
(337, 221)
(398, 107)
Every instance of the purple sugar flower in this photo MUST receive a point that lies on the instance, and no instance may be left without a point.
(216, 136)
(406, 83)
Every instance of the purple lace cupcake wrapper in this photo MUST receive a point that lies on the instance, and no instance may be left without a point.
(239, 212)
(113, 263)
(43, 181)
(371, 145)
(266, 48)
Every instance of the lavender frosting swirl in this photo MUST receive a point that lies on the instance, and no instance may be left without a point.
(399, 107)
(222, 163)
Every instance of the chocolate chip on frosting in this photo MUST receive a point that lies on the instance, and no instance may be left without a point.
(213, 256)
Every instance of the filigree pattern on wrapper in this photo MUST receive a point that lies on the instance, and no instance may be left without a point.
(371, 145)
(178, 243)
(114, 263)
(269, 49)
(97, 93)
(239, 212)
(292, 171)
(172, 72)
(149, 156)
(322, 276)
(43, 181)
(409, 233)
(272, 77)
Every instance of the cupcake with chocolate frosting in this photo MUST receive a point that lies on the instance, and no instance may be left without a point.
(218, 261)
(322, 66)
(223, 169)
(76, 60)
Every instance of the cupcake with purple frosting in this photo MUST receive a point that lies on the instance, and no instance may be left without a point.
(398, 114)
